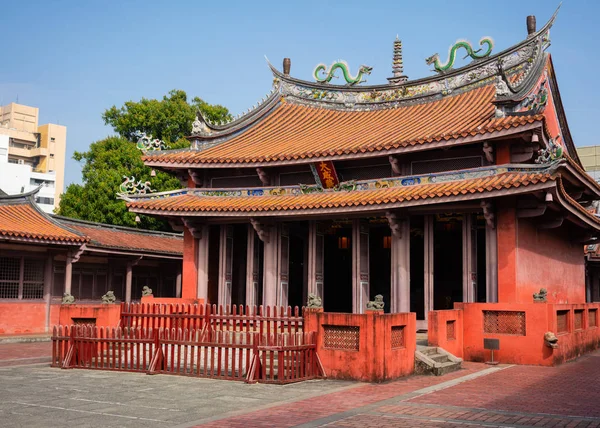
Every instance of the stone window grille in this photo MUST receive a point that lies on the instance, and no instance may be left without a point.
(562, 321)
(578, 319)
(504, 322)
(398, 337)
(342, 337)
(451, 330)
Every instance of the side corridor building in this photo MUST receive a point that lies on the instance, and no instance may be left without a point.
(460, 187)
(44, 256)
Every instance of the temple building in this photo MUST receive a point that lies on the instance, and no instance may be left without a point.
(460, 187)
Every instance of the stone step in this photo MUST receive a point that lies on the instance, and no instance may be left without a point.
(439, 358)
(435, 360)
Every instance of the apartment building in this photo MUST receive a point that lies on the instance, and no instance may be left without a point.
(31, 155)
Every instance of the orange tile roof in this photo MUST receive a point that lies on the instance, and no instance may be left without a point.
(296, 132)
(191, 202)
(21, 221)
(122, 238)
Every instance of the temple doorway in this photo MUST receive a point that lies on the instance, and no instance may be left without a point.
(298, 273)
(258, 269)
(214, 242)
(417, 266)
(447, 260)
(337, 291)
(380, 262)
(240, 255)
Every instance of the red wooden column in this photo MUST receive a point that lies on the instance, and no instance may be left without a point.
(190, 266)
(506, 227)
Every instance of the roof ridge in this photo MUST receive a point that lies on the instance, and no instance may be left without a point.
(98, 225)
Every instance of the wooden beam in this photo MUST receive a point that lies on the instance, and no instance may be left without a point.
(194, 227)
(551, 222)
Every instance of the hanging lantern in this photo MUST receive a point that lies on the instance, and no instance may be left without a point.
(343, 242)
(387, 242)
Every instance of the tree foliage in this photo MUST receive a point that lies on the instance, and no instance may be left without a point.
(107, 161)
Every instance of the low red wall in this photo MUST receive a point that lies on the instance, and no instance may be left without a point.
(371, 347)
(21, 317)
(517, 348)
(171, 300)
(104, 315)
(445, 329)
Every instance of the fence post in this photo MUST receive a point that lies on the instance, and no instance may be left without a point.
(157, 358)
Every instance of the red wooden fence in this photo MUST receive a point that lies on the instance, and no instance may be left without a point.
(121, 349)
(231, 355)
(223, 318)
(248, 343)
(60, 344)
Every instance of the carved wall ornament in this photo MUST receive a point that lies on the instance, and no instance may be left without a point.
(377, 304)
(261, 230)
(68, 299)
(146, 291)
(551, 340)
(488, 151)
(394, 223)
(109, 297)
(148, 144)
(314, 301)
(551, 153)
(442, 68)
(541, 296)
(131, 187)
(263, 175)
(329, 73)
(488, 214)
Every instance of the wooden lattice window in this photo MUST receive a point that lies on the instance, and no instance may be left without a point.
(578, 319)
(341, 337)
(593, 318)
(398, 337)
(504, 322)
(21, 278)
(562, 321)
(451, 330)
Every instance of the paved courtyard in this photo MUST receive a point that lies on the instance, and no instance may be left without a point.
(36, 395)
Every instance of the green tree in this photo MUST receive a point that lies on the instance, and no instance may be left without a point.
(168, 119)
(109, 160)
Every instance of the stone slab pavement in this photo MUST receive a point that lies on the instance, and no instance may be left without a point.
(478, 395)
(12, 354)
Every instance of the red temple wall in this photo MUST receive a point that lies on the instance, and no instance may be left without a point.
(548, 258)
(189, 281)
(26, 317)
(530, 258)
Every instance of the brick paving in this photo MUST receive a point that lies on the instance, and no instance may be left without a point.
(12, 354)
(478, 395)
(515, 396)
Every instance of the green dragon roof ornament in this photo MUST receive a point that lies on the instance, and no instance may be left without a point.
(342, 65)
(442, 68)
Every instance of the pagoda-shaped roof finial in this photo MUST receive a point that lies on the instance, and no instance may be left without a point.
(398, 64)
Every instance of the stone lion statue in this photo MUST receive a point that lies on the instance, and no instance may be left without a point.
(314, 301)
(551, 340)
(377, 304)
(146, 291)
(541, 296)
(68, 299)
(109, 297)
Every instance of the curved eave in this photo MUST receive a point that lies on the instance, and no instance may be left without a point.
(535, 123)
(575, 209)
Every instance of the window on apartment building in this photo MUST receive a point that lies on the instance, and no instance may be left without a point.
(51, 155)
(51, 138)
(42, 200)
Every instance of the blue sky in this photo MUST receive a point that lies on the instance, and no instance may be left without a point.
(74, 59)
